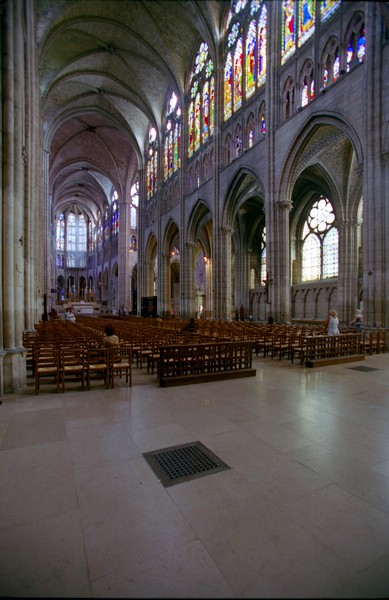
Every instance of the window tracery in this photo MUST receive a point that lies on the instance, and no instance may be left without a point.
(172, 158)
(152, 163)
(356, 42)
(201, 111)
(245, 60)
(320, 242)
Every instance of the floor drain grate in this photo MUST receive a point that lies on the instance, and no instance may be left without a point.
(183, 463)
(364, 369)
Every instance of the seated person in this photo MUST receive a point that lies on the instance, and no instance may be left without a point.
(110, 338)
(191, 326)
(69, 316)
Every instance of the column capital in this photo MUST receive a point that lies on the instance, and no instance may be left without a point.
(284, 204)
(359, 169)
(228, 230)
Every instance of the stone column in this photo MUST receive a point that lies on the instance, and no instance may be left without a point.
(33, 190)
(164, 283)
(275, 113)
(208, 308)
(375, 181)
(348, 297)
(223, 308)
(279, 275)
(8, 166)
(142, 262)
(124, 289)
(13, 375)
(187, 286)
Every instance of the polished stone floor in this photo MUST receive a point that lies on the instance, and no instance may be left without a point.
(303, 511)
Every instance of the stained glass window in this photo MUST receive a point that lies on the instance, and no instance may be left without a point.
(307, 84)
(331, 62)
(76, 238)
(115, 218)
(306, 20)
(172, 159)
(201, 114)
(90, 237)
(107, 224)
(228, 87)
(152, 163)
(336, 69)
(71, 233)
(206, 115)
(197, 122)
(298, 25)
(320, 242)
(114, 213)
(191, 129)
(245, 54)
(263, 256)
(238, 74)
(262, 121)
(60, 245)
(327, 8)
(288, 31)
(99, 229)
(251, 52)
(361, 46)
(250, 131)
(356, 42)
(134, 204)
(262, 46)
(212, 106)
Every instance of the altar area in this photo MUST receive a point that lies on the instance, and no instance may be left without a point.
(83, 308)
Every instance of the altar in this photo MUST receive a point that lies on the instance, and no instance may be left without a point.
(85, 308)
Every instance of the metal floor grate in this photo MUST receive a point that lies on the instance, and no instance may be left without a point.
(364, 369)
(183, 463)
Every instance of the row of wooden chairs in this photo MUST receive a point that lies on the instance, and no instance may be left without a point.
(292, 343)
(61, 362)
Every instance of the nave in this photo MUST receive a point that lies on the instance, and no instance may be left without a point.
(302, 510)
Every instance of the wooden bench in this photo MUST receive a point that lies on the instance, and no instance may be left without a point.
(199, 362)
(323, 350)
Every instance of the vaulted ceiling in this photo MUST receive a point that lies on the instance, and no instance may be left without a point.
(106, 70)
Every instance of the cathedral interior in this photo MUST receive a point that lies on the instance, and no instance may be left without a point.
(192, 158)
(222, 160)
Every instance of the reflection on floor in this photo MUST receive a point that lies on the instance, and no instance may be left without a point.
(303, 510)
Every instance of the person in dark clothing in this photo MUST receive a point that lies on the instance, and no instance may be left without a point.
(191, 326)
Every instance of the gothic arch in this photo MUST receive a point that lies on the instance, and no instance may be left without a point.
(320, 130)
(151, 262)
(243, 187)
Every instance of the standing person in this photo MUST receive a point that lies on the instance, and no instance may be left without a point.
(332, 323)
(110, 338)
(357, 321)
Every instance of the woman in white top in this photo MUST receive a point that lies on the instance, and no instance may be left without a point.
(333, 323)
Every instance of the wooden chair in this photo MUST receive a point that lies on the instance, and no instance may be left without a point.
(46, 365)
(119, 363)
(298, 347)
(96, 365)
(281, 344)
(72, 364)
